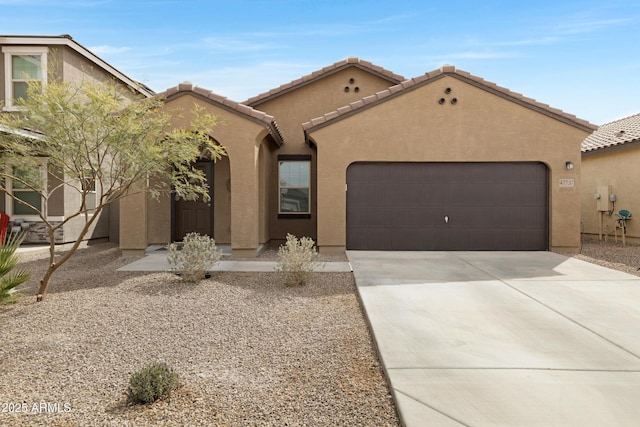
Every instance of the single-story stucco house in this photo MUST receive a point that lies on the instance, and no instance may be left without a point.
(358, 157)
(610, 156)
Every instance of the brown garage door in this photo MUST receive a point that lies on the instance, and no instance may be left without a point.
(447, 206)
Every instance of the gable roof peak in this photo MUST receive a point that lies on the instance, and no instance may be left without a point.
(351, 61)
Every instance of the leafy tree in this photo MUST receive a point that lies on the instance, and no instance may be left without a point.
(90, 136)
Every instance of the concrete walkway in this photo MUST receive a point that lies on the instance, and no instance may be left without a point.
(157, 261)
(504, 338)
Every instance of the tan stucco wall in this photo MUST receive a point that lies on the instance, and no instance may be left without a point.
(296, 107)
(608, 169)
(76, 68)
(480, 127)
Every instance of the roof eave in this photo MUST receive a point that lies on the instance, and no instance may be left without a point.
(610, 148)
(21, 132)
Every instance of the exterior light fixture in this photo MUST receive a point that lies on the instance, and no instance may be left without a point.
(569, 165)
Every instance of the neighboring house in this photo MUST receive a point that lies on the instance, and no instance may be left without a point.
(47, 59)
(357, 157)
(610, 176)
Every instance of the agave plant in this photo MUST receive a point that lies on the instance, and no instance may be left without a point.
(8, 261)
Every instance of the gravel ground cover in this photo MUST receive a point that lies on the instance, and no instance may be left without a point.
(249, 351)
(611, 254)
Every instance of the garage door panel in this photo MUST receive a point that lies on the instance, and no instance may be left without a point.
(489, 206)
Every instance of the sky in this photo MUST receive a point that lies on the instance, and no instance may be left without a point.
(582, 57)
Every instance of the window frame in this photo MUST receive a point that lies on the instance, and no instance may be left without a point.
(10, 202)
(9, 52)
(294, 158)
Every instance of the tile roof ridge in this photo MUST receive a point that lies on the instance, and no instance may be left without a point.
(187, 86)
(315, 75)
(630, 116)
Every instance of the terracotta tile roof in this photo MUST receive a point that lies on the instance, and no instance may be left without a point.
(447, 70)
(619, 132)
(229, 105)
(393, 78)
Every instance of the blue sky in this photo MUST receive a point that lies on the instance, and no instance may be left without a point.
(580, 56)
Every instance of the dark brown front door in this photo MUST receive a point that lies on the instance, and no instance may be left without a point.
(447, 206)
(195, 216)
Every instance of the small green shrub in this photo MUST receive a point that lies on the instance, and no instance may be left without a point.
(194, 257)
(297, 259)
(151, 383)
(8, 261)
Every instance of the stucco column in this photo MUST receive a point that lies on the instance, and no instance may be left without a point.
(332, 203)
(133, 224)
(244, 201)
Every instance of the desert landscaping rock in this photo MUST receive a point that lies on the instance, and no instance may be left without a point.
(249, 351)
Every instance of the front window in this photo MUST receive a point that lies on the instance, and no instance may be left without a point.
(295, 177)
(23, 65)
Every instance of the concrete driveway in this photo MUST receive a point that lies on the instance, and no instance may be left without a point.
(504, 338)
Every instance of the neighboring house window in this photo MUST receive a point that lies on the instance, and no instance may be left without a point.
(295, 178)
(89, 185)
(22, 192)
(22, 65)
